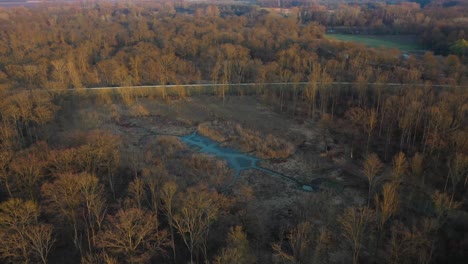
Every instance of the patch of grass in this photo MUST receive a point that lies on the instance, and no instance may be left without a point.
(139, 110)
(265, 146)
(401, 42)
(164, 147)
(199, 167)
(209, 130)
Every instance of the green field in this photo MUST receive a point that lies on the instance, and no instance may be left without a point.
(403, 43)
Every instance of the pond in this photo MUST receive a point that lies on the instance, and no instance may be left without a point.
(235, 159)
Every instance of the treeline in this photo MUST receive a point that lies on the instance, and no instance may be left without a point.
(332, 3)
(120, 44)
(72, 196)
(75, 197)
(438, 28)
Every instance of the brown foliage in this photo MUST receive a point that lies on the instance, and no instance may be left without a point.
(78, 200)
(133, 236)
(237, 249)
(415, 245)
(371, 168)
(28, 167)
(49, 48)
(265, 146)
(443, 204)
(400, 166)
(354, 223)
(197, 209)
(387, 206)
(6, 178)
(168, 192)
(198, 168)
(22, 237)
(417, 167)
(164, 147)
(306, 244)
(99, 258)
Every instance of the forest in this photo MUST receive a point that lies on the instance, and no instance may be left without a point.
(359, 154)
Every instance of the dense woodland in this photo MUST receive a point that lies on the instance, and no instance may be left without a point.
(81, 197)
(438, 29)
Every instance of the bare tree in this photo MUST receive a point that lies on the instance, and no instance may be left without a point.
(443, 204)
(417, 167)
(396, 244)
(399, 167)
(134, 235)
(299, 240)
(198, 208)
(28, 168)
(387, 206)
(305, 244)
(354, 223)
(311, 89)
(136, 193)
(371, 124)
(412, 245)
(22, 237)
(168, 192)
(237, 249)
(6, 157)
(153, 185)
(40, 241)
(77, 199)
(99, 258)
(458, 169)
(371, 168)
(94, 206)
(100, 156)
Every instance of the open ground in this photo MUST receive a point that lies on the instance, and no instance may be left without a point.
(405, 43)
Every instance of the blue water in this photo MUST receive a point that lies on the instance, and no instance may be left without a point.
(235, 159)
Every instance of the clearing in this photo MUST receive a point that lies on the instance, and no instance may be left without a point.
(406, 43)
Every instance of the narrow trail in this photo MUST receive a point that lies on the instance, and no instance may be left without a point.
(238, 85)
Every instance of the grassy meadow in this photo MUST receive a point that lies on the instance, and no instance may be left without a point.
(402, 42)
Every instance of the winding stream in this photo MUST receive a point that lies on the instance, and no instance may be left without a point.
(236, 160)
